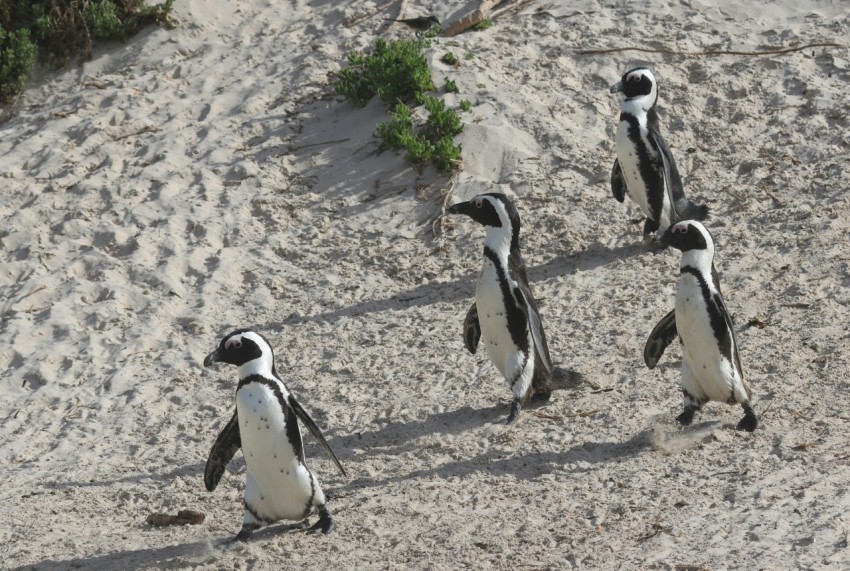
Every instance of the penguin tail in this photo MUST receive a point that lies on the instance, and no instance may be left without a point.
(565, 379)
(694, 211)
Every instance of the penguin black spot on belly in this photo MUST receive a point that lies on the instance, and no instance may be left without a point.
(267, 427)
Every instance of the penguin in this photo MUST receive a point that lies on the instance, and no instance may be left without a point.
(711, 366)
(265, 425)
(504, 313)
(644, 167)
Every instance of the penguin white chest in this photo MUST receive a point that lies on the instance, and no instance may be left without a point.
(629, 158)
(493, 318)
(711, 373)
(279, 485)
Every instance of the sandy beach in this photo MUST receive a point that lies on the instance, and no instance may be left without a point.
(203, 178)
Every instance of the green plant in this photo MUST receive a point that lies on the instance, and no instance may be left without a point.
(468, 55)
(466, 105)
(446, 155)
(56, 30)
(398, 72)
(441, 122)
(17, 56)
(450, 86)
(394, 71)
(396, 132)
(449, 59)
(482, 25)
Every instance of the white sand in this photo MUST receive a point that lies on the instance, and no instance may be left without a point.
(205, 178)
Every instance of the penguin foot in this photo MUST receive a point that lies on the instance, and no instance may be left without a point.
(687, 416)
(749, 422)
(516, 407)
(246, 532)
(541, 397)
(325, 523)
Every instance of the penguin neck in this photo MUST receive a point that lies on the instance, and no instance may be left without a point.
(502, 241)
(262, 366)
(638, 107)
(701, 260)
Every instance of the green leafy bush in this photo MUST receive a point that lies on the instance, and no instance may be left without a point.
(482, 25)
(398, 73)
(17, 56)
(394, 71)
(56, 30)
(466, 105)
(449, 59)
(432, 143)
(450, 86)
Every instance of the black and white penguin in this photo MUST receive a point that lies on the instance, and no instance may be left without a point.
(505, 314)
(711, 367)
(265, 425)
(644, 167)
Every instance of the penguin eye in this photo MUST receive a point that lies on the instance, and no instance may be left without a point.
(634, 78)
(477, 202)
(680, 230)
(233, 344)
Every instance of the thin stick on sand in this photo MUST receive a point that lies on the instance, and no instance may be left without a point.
(756, 53)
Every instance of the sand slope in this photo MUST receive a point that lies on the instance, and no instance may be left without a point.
(205, 178)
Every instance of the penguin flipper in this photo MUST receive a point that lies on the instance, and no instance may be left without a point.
(471, 329)
(618, 183)
(728, 343)
(314, 430)
(660, 338)
(225, 447)
(532, 316)
(672, 180)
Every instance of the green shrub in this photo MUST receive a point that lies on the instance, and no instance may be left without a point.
(394, 71)
(17, 56)
(434, 141)
(466, 105)
(482, 25)
(449, 59)
(396, 132)
(57, 30)
(450, 86)
(441, 122)
(446, 157)
(398, 73)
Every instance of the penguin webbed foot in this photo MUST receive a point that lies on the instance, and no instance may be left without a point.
(687, 416)
(516, 407)
(246, 532)
(325, 523)
(749, 422)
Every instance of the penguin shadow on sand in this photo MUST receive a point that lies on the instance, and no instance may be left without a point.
(522, 464)
(158, 557)
(463, 289)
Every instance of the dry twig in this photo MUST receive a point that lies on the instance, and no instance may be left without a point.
(757, 53)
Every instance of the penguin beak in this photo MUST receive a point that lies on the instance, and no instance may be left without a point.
(211, 359)
(617, 87)
(459, 208)
(666, 239)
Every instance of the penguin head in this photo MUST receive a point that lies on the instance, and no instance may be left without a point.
(638, 85)
(496, 212)
(693, 239)
(243, 347)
